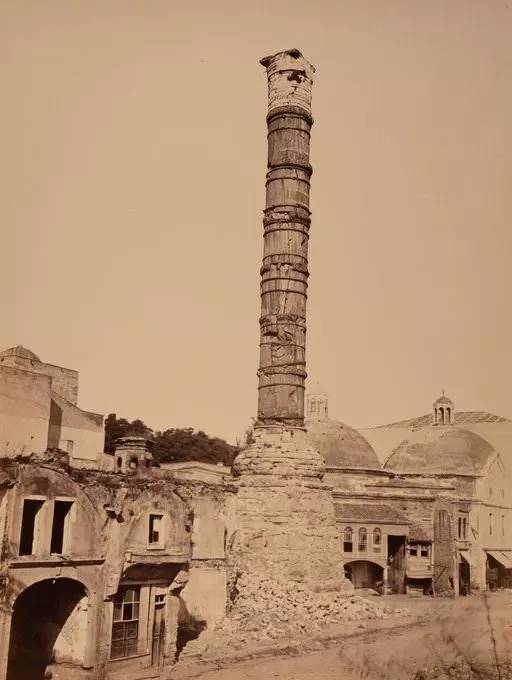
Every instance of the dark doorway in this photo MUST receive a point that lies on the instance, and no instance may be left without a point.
(464, 578)
(39, 615)
(364, 574)
(396, 564)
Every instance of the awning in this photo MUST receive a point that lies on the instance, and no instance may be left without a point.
(465, 556)
(504, 558)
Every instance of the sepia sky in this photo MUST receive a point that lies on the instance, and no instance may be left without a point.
(133, 163)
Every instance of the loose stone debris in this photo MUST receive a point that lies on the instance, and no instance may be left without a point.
(466, 671)
(267, 610)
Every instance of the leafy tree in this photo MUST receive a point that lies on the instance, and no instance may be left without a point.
(172, 445)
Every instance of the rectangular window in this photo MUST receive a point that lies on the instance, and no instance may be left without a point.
(348, 540)
(60, 526)
(490, 524)
(31, 508)
(155, 530)
(462, 532)
(503, 525)
(125, 624)
(424, 551)
(413, 550)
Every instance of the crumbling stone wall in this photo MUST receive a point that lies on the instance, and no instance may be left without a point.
(108, 544)
(445, 558)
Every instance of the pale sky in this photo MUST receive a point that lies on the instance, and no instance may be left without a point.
(133, 142)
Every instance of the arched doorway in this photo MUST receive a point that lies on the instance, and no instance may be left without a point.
(49, 625)
(364, 574)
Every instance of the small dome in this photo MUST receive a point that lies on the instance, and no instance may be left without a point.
(434, 450)
(20, 351)
(340, 445)
(443, 399)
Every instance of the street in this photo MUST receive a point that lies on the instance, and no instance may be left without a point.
(474, 631)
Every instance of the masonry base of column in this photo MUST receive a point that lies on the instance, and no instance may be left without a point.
(286, 537)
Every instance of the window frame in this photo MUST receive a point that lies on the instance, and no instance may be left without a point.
(160, 543)
(37, 544)
(348, 531)
(129, 643)
(362, 540)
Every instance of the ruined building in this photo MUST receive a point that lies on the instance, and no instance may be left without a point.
(106, 574)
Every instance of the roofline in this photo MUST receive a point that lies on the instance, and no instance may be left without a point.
(439, 473)
(353, 520)
(340, 493)
(415, 486)
(348, 468)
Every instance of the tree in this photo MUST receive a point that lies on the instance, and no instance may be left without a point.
(172, 445)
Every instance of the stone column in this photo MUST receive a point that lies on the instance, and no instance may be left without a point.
(286, 530)
(284, 271)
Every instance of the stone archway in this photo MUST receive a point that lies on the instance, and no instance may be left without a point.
(364, 573)
(49, 626)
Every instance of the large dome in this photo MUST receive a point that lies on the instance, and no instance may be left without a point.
(441, 450)
(340, 445)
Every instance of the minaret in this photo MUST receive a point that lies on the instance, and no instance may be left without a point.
(284, 271)
(285, 527)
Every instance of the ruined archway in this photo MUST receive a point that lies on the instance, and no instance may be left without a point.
(364, 574)
(49, 626)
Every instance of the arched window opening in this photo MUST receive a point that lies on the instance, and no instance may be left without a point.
(348, 540)
(363, 539)
(377, 539)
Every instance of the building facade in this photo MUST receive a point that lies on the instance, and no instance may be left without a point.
(105, 574)
(448, 472)
(39, 410)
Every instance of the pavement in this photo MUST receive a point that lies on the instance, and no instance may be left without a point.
(438, 633)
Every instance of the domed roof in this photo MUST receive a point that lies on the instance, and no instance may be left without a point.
(20, 351)
(441, 450)
(443, 399)
(340, 445)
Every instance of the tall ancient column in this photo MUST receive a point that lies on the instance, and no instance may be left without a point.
(284, 272)
(284, 515)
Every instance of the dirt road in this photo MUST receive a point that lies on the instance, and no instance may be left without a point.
(475, 629)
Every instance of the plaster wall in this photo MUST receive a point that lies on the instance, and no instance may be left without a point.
(64, 380)
(84, 430)
(209, 528)
(206, 592)
(24, 412)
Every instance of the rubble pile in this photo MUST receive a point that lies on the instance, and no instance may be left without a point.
(266, 610)
(464, 670)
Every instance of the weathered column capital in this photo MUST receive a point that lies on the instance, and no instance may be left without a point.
(290, 78)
